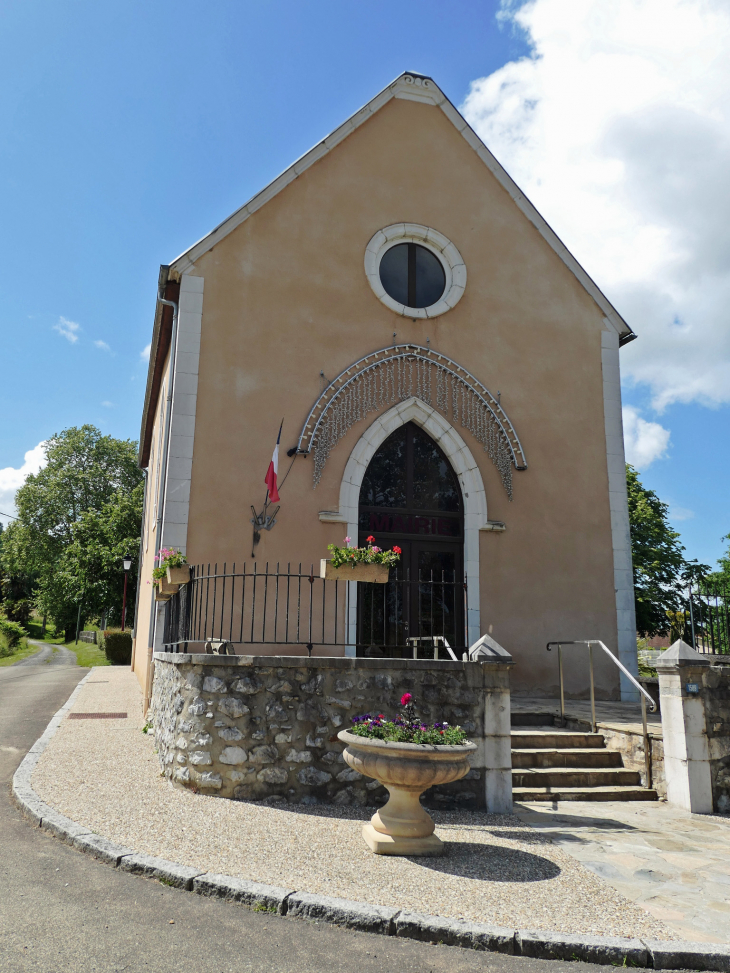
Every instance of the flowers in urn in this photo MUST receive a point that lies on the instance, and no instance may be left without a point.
(407, 727)
(350, 556)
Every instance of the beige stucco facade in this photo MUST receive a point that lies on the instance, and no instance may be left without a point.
(283, 297)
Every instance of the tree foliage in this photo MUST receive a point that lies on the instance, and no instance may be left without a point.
(661, 573)
(75, 516)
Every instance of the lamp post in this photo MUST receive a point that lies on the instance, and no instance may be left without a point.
(127, 562)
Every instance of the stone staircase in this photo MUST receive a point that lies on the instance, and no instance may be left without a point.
(552, 764)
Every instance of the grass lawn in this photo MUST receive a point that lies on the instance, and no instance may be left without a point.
(87, 655)
(23, 650)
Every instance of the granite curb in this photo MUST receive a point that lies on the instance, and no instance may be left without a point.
(360, 916)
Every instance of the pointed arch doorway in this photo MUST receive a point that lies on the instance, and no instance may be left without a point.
(410, 497)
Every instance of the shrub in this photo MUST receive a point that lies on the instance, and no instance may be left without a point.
(118, 646)
(12, 632)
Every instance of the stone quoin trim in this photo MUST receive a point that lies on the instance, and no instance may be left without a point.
(447, 254)
(470, 480)
(178, 474)
(618, 501)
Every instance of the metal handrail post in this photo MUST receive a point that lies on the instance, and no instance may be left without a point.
(593, 689)
(562, 686)
(647, 744)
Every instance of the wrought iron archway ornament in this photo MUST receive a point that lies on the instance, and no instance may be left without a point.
(401, 372)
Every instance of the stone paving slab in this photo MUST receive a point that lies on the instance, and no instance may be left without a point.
(674, 864)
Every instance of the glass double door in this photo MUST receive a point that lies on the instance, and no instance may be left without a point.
(410, 498)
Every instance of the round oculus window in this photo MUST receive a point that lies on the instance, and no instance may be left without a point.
(412, 275)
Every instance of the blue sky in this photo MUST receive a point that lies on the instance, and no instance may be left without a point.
(114, 115)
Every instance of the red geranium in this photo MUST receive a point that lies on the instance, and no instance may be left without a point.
(405, 699)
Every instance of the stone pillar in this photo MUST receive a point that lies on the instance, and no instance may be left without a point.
(496, 663)
(686, 751)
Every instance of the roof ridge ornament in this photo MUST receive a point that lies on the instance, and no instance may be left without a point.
(401, 372)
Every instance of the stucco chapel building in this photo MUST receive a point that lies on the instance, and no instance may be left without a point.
(448, 378)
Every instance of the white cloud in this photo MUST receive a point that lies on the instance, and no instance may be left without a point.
(145, 353)
(644, 441)
(11, 478)
(680, 513)
(618, 129)
(107, 404)
(69, 329)
(102, 345)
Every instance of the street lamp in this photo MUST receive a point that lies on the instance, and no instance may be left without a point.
(127, 562)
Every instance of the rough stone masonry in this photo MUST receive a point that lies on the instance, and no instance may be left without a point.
(265, 728)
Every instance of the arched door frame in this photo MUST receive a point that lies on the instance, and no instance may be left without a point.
(470, 480)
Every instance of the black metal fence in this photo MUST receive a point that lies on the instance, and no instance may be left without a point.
(705, 619)
(405, 618)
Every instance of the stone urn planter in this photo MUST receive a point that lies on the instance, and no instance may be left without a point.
(403, 826)
(370, 573)
(179, 575)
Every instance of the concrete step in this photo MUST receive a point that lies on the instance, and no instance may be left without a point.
(535, 794)
(579, 757)
(560, 777)
(549, 739)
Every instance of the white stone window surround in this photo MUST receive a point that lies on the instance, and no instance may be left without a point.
(442, 248)
(470, 480)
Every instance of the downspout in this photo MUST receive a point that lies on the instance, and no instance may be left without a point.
(162, 486)
(139, 567)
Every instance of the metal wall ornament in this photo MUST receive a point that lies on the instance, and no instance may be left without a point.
(401, 372)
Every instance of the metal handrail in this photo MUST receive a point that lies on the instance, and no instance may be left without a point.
(644, 695)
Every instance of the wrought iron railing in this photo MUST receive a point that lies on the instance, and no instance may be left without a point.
(408, 617)
(707, 617)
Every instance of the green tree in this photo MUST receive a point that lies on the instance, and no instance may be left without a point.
(661, 572)
(92, 563)
(85, 473)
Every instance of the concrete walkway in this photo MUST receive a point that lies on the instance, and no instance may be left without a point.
(61, 910)
(674, 864)
(104, 775)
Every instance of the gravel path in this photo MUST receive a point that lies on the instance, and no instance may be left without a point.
(51, 655)
(105, 775)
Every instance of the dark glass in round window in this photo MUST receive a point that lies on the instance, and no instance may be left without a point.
(412, 275)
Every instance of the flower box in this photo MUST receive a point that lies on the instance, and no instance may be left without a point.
(162, 595)
(368, 573)
(179, 575)
(166, 588)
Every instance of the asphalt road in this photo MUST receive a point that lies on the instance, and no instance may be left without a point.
(61, 912)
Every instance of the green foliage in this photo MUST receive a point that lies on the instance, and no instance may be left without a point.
(722, 577)
(351, 556)
(661, 572)
(449, 736)
(12, 632)
(118, 646)
(76, 518)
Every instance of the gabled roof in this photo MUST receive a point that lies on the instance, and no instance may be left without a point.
(413, 87)
(410, 86)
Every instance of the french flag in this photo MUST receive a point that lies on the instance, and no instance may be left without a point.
(273, 470)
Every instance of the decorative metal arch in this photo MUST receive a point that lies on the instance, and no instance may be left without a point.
(401, 372)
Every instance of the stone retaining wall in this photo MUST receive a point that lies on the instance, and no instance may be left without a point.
(265, 728)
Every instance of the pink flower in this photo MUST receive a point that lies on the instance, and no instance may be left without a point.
(376, 550)
(405, 699)
(347, 540)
